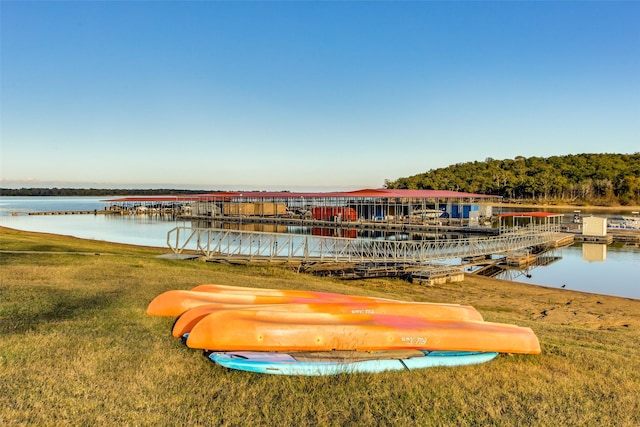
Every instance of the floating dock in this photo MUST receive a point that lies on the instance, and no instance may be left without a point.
(605, 240)
(429, 274)
(612, 236)
(91, 212)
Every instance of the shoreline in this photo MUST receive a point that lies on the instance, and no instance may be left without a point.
(468, 278)
(3, 229)
(527, 204)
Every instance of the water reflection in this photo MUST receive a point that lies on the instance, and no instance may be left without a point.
(594, 252)
(616, 274)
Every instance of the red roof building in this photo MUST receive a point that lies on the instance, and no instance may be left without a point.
(369, 204)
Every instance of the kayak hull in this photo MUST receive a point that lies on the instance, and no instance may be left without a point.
(264, 330)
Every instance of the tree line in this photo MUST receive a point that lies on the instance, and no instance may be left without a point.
(600, 179)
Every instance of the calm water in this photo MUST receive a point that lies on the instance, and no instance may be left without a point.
(133, 229)
(611, 270)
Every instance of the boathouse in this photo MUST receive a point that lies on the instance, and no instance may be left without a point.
(385, 205)
(540, 220)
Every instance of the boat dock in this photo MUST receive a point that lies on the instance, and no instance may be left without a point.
(430, 274)
(91, 212)
(349, 258)
(223, 243)
(614, 235)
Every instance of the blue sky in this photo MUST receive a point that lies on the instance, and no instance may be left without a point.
(307, 95)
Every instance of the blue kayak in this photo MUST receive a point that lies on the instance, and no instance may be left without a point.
(330, 363)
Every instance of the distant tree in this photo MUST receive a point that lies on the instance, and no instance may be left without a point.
(68, 192)
(589, 178)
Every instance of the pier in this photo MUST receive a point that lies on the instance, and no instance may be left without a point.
(419, 261)
(613, 235)
(253, 245)
(90, 212)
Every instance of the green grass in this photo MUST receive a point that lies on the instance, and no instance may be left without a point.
(76, 347)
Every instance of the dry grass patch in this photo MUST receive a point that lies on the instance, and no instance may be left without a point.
(77, 348)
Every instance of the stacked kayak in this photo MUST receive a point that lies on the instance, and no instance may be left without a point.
(328, 363)
(293, 332)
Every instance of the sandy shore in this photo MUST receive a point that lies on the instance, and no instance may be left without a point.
(540, 304)
(560, 306)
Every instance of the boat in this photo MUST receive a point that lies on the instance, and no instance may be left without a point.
(286, 331)
(334, 362)
(245, 290)
(175, 302)
(185, 323)
(209, 287)
(623, 224)
(428, 213)
(631, 222)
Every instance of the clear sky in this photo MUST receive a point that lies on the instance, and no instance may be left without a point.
(307, 94)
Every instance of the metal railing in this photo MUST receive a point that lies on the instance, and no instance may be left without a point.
(221, 243)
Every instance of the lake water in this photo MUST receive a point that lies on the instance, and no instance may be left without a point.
(611, 270)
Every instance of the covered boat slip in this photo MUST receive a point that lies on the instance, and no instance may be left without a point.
(539, 220)
(370, 205)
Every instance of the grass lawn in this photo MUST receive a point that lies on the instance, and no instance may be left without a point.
(76, 347)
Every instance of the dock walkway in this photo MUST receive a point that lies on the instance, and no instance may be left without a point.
(253, 245)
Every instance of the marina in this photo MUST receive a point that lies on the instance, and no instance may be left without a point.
(597, 268)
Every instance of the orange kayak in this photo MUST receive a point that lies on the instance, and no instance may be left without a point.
(185, 323)
(280, 292)
(176, 302)
(267, 330)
